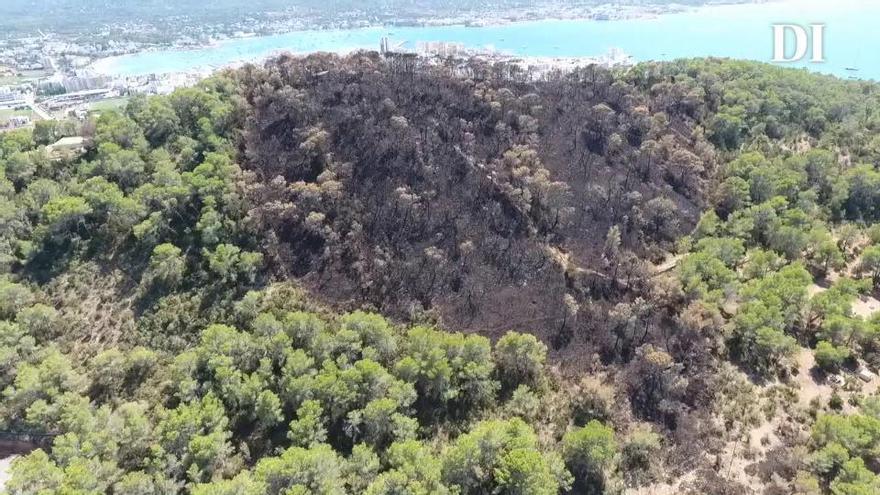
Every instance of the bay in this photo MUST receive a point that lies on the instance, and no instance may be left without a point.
(741, 31)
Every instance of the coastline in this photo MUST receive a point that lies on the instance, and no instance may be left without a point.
(679, 33)
(105, 66)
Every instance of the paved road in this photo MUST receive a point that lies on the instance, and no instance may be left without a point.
(40, 111)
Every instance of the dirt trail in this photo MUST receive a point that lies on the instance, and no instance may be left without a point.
(866, 306)
(668, 265)
(815, 289)
(663, 488)
(808, 387)
(5, 464)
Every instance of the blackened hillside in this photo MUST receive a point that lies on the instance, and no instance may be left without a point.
(491, 196)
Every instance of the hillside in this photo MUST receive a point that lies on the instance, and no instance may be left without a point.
(381, 275)
(468, 192)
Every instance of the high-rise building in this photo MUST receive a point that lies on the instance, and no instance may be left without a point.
(79, 83)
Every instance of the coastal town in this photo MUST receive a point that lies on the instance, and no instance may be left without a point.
(69, 74)
(50, 84)
(439, 247)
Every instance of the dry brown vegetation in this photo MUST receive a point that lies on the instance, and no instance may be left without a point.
(469, 191)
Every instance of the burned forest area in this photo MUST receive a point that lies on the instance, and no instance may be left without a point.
(400, 275)
(472, 193)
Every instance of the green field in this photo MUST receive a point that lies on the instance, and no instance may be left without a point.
(22, 78)
(11, 80)
(109, 104)
(5, 113)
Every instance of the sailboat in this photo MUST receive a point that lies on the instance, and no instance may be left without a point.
(854, 68)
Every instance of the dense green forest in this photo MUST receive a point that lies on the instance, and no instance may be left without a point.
(375, 275)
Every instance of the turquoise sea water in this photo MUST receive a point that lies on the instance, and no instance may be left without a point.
(737, 31)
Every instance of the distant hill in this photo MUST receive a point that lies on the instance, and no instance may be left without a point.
(75, 16)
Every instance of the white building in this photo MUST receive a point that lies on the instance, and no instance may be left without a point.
(79, 83)
(10, 99)
(6, 95)
(440, 48)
